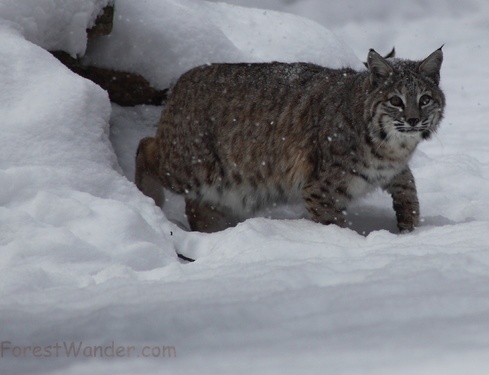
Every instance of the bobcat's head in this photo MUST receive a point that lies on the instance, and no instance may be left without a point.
(404, 101)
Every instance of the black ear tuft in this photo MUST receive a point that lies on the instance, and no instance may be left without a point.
(379, 68)
(430, 67)
(391, 54)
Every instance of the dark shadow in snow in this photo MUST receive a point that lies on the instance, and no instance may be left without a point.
(362, 218)
(439, 221)
(367, 219)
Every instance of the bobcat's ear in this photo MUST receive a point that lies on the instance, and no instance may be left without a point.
(430, 67)
(390, 55)
(379, 69)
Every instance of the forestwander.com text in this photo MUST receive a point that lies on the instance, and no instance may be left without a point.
(78, 349)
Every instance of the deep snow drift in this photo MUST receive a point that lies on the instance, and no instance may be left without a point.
(87, 260)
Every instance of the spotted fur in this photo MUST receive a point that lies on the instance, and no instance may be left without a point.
(234, 138)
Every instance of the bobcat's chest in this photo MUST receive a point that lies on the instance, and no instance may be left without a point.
(373, 173)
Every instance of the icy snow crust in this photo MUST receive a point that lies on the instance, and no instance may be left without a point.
(85, 258)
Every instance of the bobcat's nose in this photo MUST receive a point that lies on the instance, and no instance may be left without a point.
(413, 121)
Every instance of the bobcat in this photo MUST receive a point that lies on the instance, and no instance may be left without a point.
(234, 138)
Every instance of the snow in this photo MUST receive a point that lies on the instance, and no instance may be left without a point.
(180, 35)
(53, 24)
(86, 258)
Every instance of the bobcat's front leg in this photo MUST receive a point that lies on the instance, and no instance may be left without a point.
(405, 200)
(325, 205)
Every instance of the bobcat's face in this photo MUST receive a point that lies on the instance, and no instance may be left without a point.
(406, 102)
(411, 108)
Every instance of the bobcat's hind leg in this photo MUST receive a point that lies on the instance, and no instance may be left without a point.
(147, 165)
(204, 217)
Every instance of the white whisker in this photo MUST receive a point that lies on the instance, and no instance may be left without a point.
(386, 139)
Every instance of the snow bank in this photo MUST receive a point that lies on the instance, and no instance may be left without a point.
(163, 39)
(53, 24)
(66, 212)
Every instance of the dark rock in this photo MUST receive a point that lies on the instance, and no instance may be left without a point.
(125, 89)
(103, 23)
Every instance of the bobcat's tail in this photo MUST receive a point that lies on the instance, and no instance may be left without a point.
(147, 165)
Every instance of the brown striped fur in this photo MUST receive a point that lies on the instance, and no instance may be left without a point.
(234, 138)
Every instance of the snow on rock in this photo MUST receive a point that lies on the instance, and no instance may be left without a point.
(163, 39)
(53, 24)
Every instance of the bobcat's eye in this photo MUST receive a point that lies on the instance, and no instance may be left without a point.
(396, 101)
(424, 100)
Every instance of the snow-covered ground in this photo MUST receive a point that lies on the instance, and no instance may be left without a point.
(87, 261)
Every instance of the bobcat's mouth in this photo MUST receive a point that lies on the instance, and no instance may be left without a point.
(409, 129)
(404, 127)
